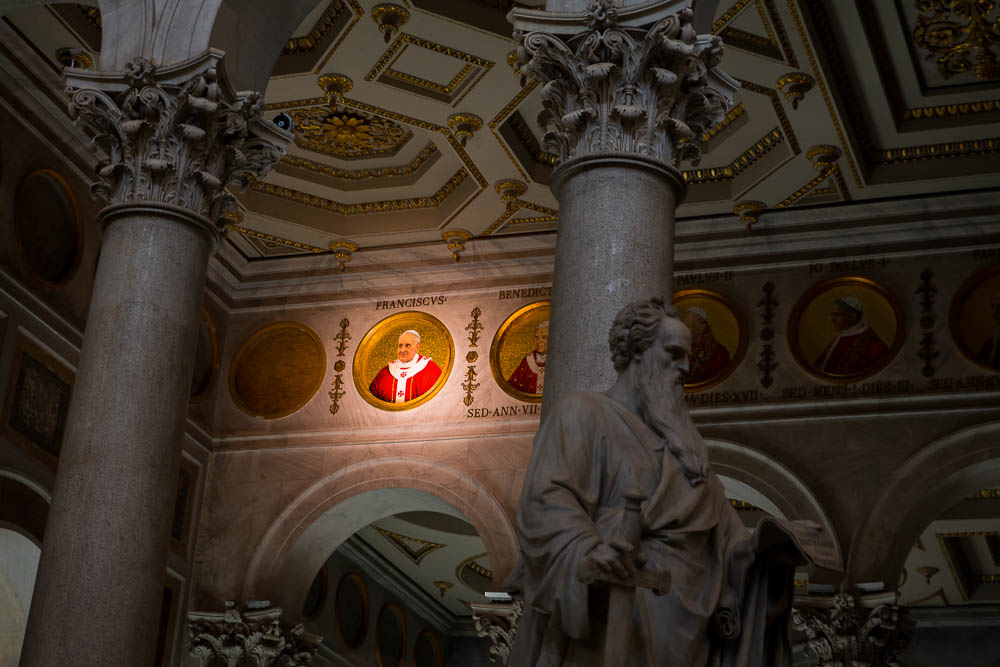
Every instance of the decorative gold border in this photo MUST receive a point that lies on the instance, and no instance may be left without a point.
(324, 590)
(362, 174)
(64, 184)
(275, 239)
(358, 14)
(955, 312)
(730, 171)
(741, 345)
(438, 661)
(362, 208)
(471, 561)
(808, 187)
(377, 331)
(206, 317)
(252, 339)
(779, 110)
(495, 354)
(822, 286)
(363, 587)
(311, 39)
(395, 609)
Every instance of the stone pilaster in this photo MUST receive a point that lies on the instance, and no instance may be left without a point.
(498, 622)
(845, 630)
(627, 93)
(171, 141)
(257, 638)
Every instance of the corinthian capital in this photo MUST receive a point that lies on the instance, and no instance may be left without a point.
(628, 80)
(843, 629)
(177, 136)
(255, 639)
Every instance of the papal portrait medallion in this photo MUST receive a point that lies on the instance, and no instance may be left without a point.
(518, 352)
(974, 318)
(845, 329)
(403, 361)
(718, 336)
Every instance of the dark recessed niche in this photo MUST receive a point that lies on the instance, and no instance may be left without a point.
(351, 610)
(427, 650)
(390, 637)
(47, 226)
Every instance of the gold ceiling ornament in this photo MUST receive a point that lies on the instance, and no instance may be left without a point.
(464, 125)
(70, 57)
(456, 239)
(347, 134)
(342, 251)
(335, 85)
(743, 161)
(389, 18)
(823, 156)
(509, 191)
(749, 211)
(514, 62)
(443, 586)
(234, 215)
(794, 86)
(954, 30)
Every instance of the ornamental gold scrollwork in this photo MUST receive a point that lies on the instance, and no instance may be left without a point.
(347, 134)
(470, 385)
(961, 34)
(335, 393)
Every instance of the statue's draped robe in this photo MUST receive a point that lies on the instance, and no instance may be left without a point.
(588, 454)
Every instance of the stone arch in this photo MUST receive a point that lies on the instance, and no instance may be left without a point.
(322, 517)
(24, 505)
(785, 490)
(939, 475)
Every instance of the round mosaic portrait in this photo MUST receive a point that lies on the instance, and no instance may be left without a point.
(718, 336)
(845, 329)
(517, 355)
(277, 370)
(47, 226)
(403, 361)
(974, 318)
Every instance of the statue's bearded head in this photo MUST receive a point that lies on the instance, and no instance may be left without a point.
(651, 344)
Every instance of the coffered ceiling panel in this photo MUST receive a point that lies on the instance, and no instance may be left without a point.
(401, 140)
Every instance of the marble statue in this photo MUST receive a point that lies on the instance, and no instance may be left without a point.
(630, 552)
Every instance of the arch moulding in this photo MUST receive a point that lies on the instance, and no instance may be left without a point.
(937, 477)
(323, 516)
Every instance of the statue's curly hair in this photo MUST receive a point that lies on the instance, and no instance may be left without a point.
(635, 328)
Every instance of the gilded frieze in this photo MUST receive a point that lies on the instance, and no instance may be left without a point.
(960, 37)
(429, 151)
(362, 208)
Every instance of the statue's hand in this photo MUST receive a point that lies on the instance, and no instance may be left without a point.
(603, 562)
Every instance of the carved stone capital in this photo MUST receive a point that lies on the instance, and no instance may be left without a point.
(177, 136)
(256, 638)
(499, 623)
(628, 80)
(844, 629)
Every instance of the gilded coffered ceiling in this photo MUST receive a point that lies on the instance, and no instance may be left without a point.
(411, 122)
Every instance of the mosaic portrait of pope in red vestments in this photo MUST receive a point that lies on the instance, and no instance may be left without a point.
(407, 377)
(855, 347)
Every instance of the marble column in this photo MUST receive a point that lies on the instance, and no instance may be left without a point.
(627, 93)
(173, 140)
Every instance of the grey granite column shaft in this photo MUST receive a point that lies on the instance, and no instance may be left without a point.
(100, 579)
(628, 91)
(616, 225)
